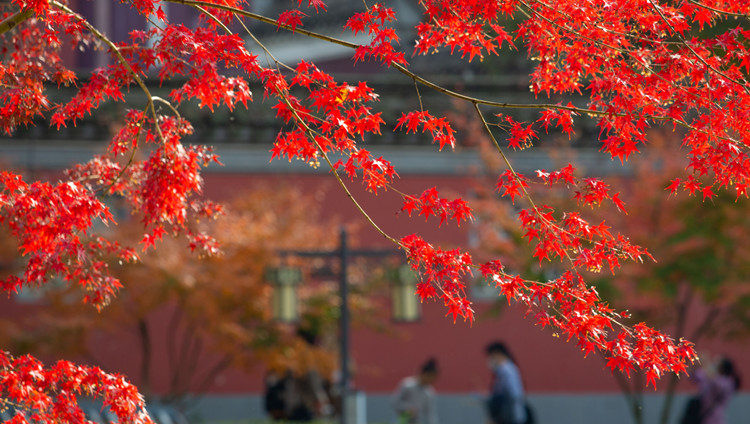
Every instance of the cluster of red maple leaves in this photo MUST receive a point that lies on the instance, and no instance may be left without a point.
(640, 62)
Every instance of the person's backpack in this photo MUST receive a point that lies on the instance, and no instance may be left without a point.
(692, 413)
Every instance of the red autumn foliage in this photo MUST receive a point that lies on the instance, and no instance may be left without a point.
(640, 63)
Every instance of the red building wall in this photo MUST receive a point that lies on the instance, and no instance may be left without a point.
(549, 363)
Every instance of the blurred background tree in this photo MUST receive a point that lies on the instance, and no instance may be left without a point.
(212, 314)
(695, 288)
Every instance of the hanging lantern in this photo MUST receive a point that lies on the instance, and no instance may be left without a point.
(284, 299)
(406, 305)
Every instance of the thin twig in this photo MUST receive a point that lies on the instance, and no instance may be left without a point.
(419, 95)
(168, 104)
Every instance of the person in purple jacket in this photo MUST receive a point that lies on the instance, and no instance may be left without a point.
(716, 386)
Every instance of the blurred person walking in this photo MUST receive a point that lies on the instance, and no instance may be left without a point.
(506, 403)
(273, 395)
(717, 383)
(414, 400)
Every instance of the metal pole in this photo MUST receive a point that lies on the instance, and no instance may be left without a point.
(344, 328)
(343, 253)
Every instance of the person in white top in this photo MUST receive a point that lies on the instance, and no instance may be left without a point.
(414, 400)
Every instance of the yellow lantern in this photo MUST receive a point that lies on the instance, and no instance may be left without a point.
(406, 305)
(284, 298)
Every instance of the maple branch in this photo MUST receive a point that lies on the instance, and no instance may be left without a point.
(565, 28)
(700, 58)
(121, 59)
(13, 20)
(595, 339)
(423, 81)
(570, 18)
(642, 63)
(213, 18)
(257, 17)
(310, 134)
(436, 87)
(398, 67)
(611, 317)
(515, 174)
(541, 217)
(308, 131)
(476, 100)
(627, 53)
(590, 112)
(349, 194)
(269, 56)
(723, 12)
(131, 159)
(502, 153)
